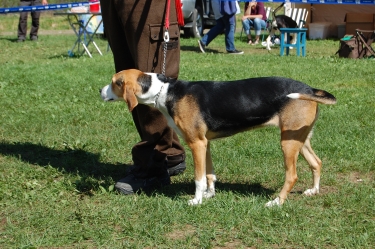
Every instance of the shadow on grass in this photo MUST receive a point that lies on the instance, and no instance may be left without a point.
(9, 39)
(94, 173)
(175, 190)
(196, 49)
(87, 165)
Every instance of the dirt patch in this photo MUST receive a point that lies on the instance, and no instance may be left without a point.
(181, 234)
(357, 177)
(233, 244)
(3, 224)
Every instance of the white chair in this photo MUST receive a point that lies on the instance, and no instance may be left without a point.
(297, 14)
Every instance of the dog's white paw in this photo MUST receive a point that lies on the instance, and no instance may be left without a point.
(208, 194)
(194, 202)
(273, 203)
(311, 192)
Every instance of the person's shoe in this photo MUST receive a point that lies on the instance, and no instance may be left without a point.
(132, 184)
(20, 39)
(177, 169)
(235, 52)
(34, 38)
(172, 170)
(202, 46)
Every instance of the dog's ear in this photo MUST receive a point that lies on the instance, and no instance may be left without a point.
(127, 91)
(129, 97)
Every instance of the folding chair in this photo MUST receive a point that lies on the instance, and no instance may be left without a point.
(365, 41)
(90, 25)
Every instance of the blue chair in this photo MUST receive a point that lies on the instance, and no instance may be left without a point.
(300, 40)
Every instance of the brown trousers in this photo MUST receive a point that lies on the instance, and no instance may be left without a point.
(35, 15)
(135, 32)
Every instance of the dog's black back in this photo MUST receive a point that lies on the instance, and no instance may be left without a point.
(283, 21)
(250, 102)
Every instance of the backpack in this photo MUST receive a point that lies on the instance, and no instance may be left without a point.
(349, 47)
(357, 46)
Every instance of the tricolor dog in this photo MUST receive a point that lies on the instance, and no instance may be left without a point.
(202, 111)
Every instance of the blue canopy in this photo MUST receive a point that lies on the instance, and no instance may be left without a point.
(42, 7)
(316, 1)
(70, 5)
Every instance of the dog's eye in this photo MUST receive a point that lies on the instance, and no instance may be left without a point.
(119, 82)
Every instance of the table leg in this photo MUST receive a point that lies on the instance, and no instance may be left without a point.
(282, 44)
(298, 37)
(304, 44)
(287, 42)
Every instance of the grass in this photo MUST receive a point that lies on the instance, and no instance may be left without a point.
(62, 149)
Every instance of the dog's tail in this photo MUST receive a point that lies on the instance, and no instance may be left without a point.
(277, 9)
(318, 95)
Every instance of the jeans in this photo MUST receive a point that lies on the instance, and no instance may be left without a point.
(258, 24)
(222, 24)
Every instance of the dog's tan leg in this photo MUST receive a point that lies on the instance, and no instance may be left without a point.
(211, 177)
(315, 166)
(291, 150)
(198, 149)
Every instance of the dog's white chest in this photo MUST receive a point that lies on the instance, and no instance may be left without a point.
(171, 123)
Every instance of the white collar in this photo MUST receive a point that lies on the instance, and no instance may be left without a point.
(157, 96)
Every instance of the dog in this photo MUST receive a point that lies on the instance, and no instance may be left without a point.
(280, 21)
(202, 111)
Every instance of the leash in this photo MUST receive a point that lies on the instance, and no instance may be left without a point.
(166, 35)
(180, 21)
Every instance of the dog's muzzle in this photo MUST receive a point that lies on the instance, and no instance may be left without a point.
(106, 93)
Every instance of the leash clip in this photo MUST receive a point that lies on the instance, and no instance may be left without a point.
(166, 36)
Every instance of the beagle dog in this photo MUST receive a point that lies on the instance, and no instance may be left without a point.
(202, 111)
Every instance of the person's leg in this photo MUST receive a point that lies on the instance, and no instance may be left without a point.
(213, 32)
(22, 24)
(115, 34)
(229, 33)
(259, 24)
(246, 27)
(35, 15)
(129, 30)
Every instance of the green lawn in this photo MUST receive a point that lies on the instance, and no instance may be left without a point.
(62, 149)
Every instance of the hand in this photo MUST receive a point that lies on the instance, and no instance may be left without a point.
(44, 2)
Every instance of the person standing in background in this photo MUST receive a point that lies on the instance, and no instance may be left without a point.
(225, 16)
(35, 16)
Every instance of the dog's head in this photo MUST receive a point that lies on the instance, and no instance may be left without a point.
(124, 87)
